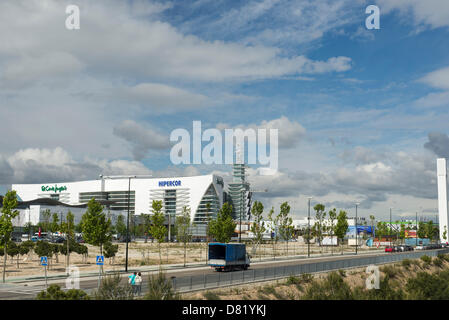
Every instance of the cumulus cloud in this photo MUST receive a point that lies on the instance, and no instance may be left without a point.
(163, 98)
(141, 139)
(290, 132)
(438, 143)
(429, 13)
(35, 165)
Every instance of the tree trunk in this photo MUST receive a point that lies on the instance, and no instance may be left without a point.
(185, 251)
(4, 262)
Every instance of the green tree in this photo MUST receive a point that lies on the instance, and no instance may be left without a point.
(68, 227)
(319, 226)
(13, 250)
(445, 234)
(120, 225)
(95, 226)
(223, 226)
(372, 219)
(332, 218)
(402, 233)
(258, 226)
(285, 223)
(157, 228)
(184, 229)
(8, 213)
(275, 229)
(110, 250)
(54, 225)
(422, 230)
(341, 227)
(45, 225)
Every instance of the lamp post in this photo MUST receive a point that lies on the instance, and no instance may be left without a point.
(308, 229)
(127, 218)
(416, 234)
(356, 232)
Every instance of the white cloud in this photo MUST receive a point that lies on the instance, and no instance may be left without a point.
(141, 139)
(290, 132)
(53, 165)
(163, 98)
(430, 13)
(437, 79)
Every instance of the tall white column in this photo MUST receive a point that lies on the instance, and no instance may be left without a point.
(442, 198)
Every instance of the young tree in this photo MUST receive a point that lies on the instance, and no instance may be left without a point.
(184, 229)
(332, 218)
(95, 226)
(120, 225)
(68, 227)
(285, 223)
(372, 218)
(258, 226)
(8, 213)
(45, 224)
(110, 250)
(157, 228)
(445, 234)
(342, 227)
(402, 233)
(223, 226)
(54, 225)
(319, 226)
(275, 229)
(422, 230)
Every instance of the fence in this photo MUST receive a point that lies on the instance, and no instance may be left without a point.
(222, 279)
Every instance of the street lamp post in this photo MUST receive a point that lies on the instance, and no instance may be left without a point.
(308, 230)
(127, 218)
(356, 232)
(416, 233)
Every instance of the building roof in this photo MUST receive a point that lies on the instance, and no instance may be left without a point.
(52, 202)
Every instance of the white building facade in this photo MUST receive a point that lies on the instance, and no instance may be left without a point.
(202, 194)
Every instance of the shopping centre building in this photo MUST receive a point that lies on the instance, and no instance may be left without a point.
(202, 194)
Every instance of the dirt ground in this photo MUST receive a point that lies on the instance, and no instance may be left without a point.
(147, 254)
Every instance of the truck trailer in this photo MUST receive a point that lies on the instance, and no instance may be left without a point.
(228, 256)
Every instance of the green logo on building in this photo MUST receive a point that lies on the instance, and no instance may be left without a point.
(54, 188)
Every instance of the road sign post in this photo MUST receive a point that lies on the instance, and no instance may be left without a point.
(100, 263)
(44, 262)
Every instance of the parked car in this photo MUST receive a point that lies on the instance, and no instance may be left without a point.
(389, 249)
(57, 240)
(420, 247)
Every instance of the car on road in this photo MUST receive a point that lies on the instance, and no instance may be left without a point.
(403, 248)
(57, 240)
(389, 249)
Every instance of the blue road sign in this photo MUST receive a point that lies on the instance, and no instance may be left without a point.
(100, 260)
(44, 261)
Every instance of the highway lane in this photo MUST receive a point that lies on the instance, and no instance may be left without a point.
(29, 289)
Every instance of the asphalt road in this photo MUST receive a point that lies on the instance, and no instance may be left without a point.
(29, 289)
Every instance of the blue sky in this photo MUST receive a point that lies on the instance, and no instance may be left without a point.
(354, 107)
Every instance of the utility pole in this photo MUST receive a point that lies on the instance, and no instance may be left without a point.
(129, 196)
(356, 231)
(308, 229)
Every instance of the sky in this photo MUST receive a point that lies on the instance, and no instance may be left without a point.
(362, 114)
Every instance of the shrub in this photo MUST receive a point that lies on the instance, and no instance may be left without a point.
(160, 288)
(438, 262)
(209, 295)
(390, 271)
(293, 280)
(426, 259)
(306, 277)
(268, 290)
(112, 289)
(406, 263)
(333, 287)
(342, 272)
(54, 292)
(429, 286)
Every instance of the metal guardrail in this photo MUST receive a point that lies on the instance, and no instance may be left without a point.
(224, 279)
